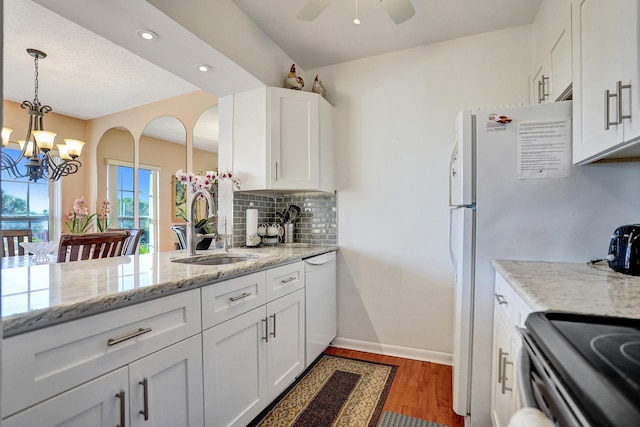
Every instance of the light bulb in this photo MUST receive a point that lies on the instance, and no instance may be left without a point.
(28, 152)
(44, 139)
(64, 152)
(74, 147)
(6, 132)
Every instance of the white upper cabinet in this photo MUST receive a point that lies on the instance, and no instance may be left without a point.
(606, 113)
(551, 32)
(282, 140)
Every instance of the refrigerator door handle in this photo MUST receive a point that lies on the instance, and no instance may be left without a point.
(451, 255)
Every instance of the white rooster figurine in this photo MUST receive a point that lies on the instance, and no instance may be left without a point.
(318, 87)
(293, 81)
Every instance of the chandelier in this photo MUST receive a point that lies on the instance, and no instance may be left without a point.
(37, 146)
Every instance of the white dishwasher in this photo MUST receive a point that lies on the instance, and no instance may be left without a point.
(320, 298)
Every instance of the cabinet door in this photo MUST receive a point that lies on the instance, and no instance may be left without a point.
(286, 346)
(165, 388)
(97, 403)
(604, 46)
(560, 55)
(235, 376)
(293, 140)
(502, 378)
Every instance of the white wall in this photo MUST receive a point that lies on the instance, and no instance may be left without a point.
(395, 119)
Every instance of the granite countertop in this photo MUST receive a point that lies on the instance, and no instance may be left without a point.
(40, 295)
(579, 288)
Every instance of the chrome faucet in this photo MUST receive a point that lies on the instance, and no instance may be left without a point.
(225, 247)
(192, 237)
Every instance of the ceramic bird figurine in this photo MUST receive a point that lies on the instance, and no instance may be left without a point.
(293, 81)
(318, 87)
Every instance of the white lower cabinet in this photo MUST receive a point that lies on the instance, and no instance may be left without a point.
(214, 356)
(162, 389)
(100, 403)
(503, 382)
(510, 311)
(165, 388)
(250, 359)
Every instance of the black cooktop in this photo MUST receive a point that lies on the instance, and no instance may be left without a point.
(597, 359)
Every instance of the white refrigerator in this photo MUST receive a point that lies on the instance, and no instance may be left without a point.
(515, 195)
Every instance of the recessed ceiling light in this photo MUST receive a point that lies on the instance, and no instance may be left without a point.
(147, 34)
(202, 67)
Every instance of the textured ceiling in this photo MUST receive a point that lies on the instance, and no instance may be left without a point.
(87, 76)
(333, 38)
(84, 75)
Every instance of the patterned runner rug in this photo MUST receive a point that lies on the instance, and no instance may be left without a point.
(335, 391)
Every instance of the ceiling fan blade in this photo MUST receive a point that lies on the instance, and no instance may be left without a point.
(398, 10)
(312, 9)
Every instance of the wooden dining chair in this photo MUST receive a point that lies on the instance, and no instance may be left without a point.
(11, 240)
(131, 245)
(76, 247)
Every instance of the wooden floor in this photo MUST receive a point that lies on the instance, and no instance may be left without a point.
(420, 389)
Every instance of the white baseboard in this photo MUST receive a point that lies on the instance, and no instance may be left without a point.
(393, 350)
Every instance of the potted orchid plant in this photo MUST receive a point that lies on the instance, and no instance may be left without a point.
(80, 221)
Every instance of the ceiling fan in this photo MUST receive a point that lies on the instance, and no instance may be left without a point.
(398, 10)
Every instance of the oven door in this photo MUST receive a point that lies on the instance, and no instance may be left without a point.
(541, 389)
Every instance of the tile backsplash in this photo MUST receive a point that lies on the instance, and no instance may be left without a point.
(318, 218)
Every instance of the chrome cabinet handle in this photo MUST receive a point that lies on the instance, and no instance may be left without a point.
(122, 409)
(273, 334)
(544, 88)
(266, 329)
(505, 362)
(539, 92)
(276, 171)
(619, 88)
(607, 113)
(500, 366)
(239, 297)
(114, 341)
(145, 397)
(501, 300)
(290, 279)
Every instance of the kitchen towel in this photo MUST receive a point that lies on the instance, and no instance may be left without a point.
(252, 221)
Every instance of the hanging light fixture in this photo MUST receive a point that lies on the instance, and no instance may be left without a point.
(38, 143)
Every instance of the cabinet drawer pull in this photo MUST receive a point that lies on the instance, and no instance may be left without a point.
(145, 398)
(501, 300)
(273, 334)
(266, 329)
(290, 279)
(122, 408)
(114, 341)
(239, 297)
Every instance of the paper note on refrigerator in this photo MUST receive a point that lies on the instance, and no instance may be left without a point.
(544, 149)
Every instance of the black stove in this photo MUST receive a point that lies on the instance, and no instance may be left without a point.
(592, 366)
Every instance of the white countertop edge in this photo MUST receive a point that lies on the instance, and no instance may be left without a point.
(573, 287)
(24, 322)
